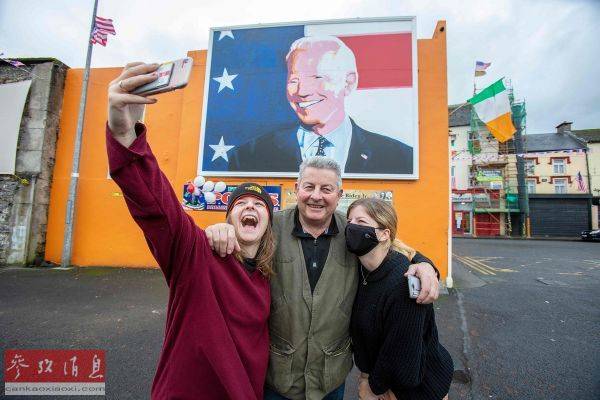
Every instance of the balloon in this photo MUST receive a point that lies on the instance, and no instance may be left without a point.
(199, 181)
(210, 197)
(197, 192)
(208, 186)
(190, 188)
(220, 187)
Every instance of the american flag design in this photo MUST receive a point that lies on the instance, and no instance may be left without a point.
(480, 68)
(580, 182)
(245, 85)
(102, 28)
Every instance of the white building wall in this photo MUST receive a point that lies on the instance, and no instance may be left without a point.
(461, 158)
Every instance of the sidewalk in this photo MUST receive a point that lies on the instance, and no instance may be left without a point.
(553, 238)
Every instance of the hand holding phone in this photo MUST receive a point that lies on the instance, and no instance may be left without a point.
(172, 75)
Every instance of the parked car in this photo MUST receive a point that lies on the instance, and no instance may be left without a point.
(591, 235)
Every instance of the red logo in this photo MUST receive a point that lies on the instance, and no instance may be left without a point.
(56, 371)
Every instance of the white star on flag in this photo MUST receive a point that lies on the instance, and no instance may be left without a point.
(225, 80)
(221, 150)
(223, 34)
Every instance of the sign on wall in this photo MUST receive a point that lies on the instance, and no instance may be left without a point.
(277, 94)
(348, 197)
(216, 199)
(12, 101)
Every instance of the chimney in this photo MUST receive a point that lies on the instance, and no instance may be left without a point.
(564, 127)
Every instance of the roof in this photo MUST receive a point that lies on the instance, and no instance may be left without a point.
(38, 60)
(589, 135)
(551, 142)
(460, 117)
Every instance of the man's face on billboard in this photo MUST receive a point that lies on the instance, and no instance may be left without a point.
(315, 87)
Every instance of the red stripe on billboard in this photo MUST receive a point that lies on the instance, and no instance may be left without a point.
(383, 60)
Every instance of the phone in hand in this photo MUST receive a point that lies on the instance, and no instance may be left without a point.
(172, 75)
(414, 286)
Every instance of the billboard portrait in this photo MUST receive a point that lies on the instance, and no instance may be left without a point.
(278, 94)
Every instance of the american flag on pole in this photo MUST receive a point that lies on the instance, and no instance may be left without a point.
(580, 182)
(480, 68)
(102, 27)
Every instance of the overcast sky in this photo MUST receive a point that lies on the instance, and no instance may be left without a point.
(550, 50)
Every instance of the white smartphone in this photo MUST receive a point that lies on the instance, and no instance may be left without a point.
(414, 286)
(172, 75)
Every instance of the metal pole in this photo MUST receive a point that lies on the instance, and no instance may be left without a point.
(69, 218)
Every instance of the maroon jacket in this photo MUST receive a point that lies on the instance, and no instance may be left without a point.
(216, 342)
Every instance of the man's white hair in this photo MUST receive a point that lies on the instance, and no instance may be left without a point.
(321, 162)
(337, 64)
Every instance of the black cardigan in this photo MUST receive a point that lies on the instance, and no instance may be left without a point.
(395, 339)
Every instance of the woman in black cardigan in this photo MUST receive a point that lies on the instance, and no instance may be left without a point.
(395, 339)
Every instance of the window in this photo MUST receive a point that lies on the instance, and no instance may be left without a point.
(560, 186)
(558, 165)
(531, 186)
(529, 166)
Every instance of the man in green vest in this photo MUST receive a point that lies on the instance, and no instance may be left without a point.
(313, 288)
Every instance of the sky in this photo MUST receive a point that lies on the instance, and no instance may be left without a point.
(550, 50)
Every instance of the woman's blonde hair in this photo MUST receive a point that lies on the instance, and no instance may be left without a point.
(264, 254)
(385, 216)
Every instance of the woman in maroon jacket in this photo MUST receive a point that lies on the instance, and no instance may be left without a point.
(216, 342)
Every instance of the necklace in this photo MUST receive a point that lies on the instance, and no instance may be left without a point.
(364, 282)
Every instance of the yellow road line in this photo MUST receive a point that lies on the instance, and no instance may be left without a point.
(472, 265)
(482, 265)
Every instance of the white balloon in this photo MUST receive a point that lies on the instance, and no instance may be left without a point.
(208, 186)
(197, 192)
(199, 181)
(210, 197)
(220, 186)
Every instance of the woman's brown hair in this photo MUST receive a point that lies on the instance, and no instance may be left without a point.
(385, 216)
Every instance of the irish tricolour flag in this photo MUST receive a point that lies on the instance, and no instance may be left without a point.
(493, 108)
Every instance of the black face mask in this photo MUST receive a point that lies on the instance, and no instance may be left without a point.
(360, 239)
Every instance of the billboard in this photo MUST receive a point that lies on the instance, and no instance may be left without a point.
(277, 94)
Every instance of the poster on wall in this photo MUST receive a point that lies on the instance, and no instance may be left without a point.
(277, 94)
(348, 197)
(215, 197)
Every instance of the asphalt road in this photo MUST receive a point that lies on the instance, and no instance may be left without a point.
(532, 317)
(523, 321)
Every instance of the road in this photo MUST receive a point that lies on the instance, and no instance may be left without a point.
(532, 317)
(522, 323)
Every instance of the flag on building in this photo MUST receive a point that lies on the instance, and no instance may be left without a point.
(14, 63)
(102, 27)
(580, 182)
(480, 68)
(493, 108)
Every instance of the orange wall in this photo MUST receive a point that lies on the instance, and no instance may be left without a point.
(106, 235)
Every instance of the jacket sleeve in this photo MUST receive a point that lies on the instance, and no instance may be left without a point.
(169, 231)
(420, 258)
(401, 359)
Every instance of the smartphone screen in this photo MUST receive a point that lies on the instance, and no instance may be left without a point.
(164, 76)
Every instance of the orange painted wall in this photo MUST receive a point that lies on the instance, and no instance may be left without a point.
(105, 234)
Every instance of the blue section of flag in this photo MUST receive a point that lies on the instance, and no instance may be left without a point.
(257, 104)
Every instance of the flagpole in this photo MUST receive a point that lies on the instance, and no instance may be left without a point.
(69, 218)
